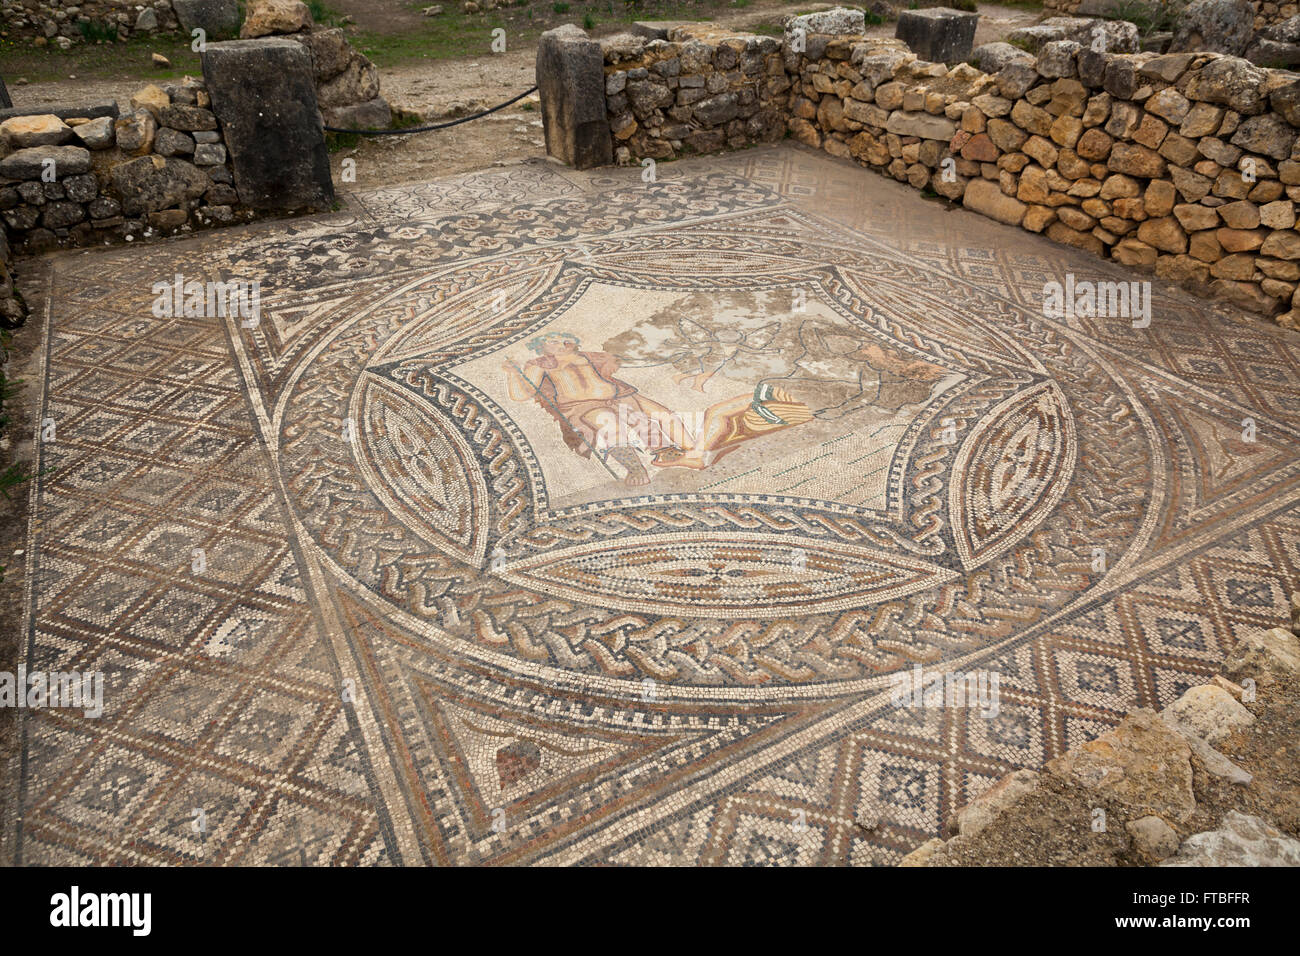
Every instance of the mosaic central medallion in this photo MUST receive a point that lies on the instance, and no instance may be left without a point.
(732, 469)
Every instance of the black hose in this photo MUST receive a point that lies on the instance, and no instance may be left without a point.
(425, 129)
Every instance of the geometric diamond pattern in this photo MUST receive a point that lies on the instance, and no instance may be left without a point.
(336, 682)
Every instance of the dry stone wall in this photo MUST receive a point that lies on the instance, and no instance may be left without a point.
(63, 23)
(666, 97)
(160, 167)
(1185, 165)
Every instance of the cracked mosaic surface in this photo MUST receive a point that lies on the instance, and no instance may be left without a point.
(563, 518)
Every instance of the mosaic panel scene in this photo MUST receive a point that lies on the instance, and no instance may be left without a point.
(562, 518)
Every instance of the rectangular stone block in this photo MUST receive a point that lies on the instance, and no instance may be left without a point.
(938, 34)
(218, 19)
(571, 84)
(264, 95)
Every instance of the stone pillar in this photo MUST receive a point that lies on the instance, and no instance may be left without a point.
(218, 19)
(571, 84)
(264, 94)
(938, 34)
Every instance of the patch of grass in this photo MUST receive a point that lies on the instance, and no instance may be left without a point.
(131, 58)
(322, 14)
(1148, 16)
(450, 35)
(588, 22)
(560, 7)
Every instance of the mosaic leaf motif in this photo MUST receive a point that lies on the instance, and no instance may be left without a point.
(1011, 472)
(719, 576)
(424, 471)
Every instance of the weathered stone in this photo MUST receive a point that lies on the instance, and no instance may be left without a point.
(152, 182)
(60, 214)
(1278, 215)
(1135, 252)
(218, 19)
(1241, 840)
(105, 207)
(1120, 78)
(1152, 837)
(724, 107)
(1166, 68)
(1283, 244)
(1216, 26)
(264, 94)
(371, 114)
(81, 188)
(995, 801)
(836, 22)
(1159, 198)
(1268, 134)
(135, 131)
(1015, 79)
(1192, 186)
(992, 57)
(923, 854)
(980, 149)
(1286, 101)
(1056, 59)
(923, 125)
(1031, 118)
(358, 83)
(31, 162)
(1274, 652)
(209, 154)
(1006, 135)
(889, 96)
(1202, 119)
(187, 118)
(937, 34)
(1194, 218)
(170, 142)
(1228, 82)
(96, 133)
(151, 98)
(1211, 712)
(1141, 764)
(1094, 145)
(1164, 234)
(1135, 160)
(1169, 105)
(984, 196)
(271, 17)
(1124, 119)
(866, 113)
(26, 131)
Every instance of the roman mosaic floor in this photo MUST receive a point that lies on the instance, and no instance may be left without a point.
(564, 518)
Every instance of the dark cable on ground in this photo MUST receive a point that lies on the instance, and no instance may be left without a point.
(425, 129)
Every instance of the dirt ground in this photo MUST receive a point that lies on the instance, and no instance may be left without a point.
(441, 89)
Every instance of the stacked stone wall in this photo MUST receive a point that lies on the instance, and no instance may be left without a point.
(1186, 165)
(665, 97)
(161, 167)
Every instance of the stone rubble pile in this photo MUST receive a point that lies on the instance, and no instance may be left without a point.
(157, 168)
(1145, 767)
(1263, 32)
(1183, 164)
(347, 83)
